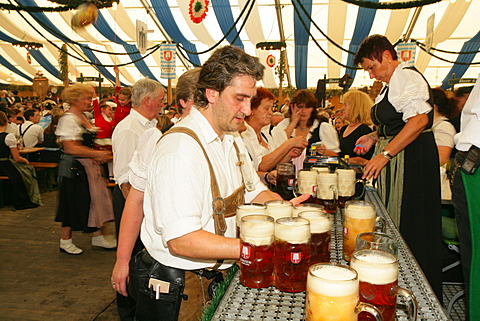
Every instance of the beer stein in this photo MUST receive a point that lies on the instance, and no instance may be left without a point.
(256, 251)
(320, 227)
(359, 217)
(278, 209)
(306, 183)
(307, 207)
(247, 209)
(376, 241)
(292, 254)
(332, 294)
(327, 192)
(347, 181)
(320, 169)
(285, 180)
(378, 276)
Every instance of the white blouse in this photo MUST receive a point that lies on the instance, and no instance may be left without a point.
(254, 148)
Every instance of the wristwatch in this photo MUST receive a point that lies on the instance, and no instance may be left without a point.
(387, 155)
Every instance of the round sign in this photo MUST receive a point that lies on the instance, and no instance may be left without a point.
(271, 60)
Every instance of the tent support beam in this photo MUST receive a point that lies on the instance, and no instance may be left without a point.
(412, 24)
(278, 9)
(150, 12)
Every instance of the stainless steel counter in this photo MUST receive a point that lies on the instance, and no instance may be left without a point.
(242, 303)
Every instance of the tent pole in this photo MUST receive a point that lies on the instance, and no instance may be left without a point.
(159, 26)
(278, 9)
(412, 24)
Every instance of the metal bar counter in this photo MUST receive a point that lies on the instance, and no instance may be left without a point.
(242, 303)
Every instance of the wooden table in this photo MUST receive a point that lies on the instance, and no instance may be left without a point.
(29, 150)
(242, 303)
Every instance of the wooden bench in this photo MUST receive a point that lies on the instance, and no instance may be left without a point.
(50, 170)
(2, 178)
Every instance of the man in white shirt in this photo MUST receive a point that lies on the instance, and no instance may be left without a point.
(465, 184)
(30, 131)
(147, 102)
(179, 231)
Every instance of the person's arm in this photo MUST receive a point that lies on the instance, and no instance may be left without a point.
(444, 154)
(281, 154)
(294, 119)
(412, 129)
(129, 230)
(118, 84)
(329, 137)
(74, 147)
(16, 156)
(125, 188)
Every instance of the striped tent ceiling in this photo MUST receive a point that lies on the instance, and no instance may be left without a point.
(306, 25)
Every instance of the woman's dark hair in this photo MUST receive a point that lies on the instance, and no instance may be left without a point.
(372, 48)
(304, 96)
(445, 106)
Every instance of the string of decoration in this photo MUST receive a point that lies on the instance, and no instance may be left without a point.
(179, 46)
(316, 42)
(391, 5)
(66, 5)
(320, 30)
(449, 61)
(420, 44)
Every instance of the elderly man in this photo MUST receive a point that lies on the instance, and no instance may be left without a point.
(147, 102)
(196, 162)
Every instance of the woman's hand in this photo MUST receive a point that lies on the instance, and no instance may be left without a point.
(116, 70)
(363, 144)
(374, 167)
(272, 177)
(298, 142)
(300, 199)
(23, 160)
(295, 152)
(120, 277)
(103, 156)
(295, 117)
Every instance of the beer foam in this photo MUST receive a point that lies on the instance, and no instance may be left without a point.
(247, 209)
(319, 222)
(278, 210)
(331, 280)
(293, 231)
(302, 208)
(375, 267)
(359, 211)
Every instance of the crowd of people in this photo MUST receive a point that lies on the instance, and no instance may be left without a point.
(224, 139)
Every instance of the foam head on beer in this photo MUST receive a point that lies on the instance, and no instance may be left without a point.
(332, 280)
(307, 207)
(293, 230)
(279, 209)
(249, 208)
(319, 222)
(360, 209)
(375, 267)
(257, 230)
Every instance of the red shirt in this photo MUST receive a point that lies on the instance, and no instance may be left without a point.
(106, 127)
(121, 111)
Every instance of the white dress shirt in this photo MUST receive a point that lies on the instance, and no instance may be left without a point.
(33, 135)
(470, 121)
(124, 142)
(178, 197)
(253, 146)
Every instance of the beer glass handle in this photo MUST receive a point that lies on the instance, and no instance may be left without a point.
(367, 307)
(335, 192)
(361, 181)
(411, 302)
(295, 188)
(383, 224)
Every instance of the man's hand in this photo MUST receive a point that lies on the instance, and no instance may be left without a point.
(120, 277)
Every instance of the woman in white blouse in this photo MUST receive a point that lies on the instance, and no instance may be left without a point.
(302, 120)
(258, 141)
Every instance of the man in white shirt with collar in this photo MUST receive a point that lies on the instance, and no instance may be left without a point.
(30, 131)
(178, 229)
(147, 102)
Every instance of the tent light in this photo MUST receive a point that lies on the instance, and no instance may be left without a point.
(271, 45)
(28, 45)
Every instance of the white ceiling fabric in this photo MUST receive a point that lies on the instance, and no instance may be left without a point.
(455, 23)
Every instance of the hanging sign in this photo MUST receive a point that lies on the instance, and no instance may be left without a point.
(167, 61)
(29, 58)
(429, 38)
(141, 28)
(198, 10)
(406, 52)
(271, 61)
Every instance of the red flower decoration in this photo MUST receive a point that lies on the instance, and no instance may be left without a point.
(198, 10)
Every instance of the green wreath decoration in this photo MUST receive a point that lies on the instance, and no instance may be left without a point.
(66, 5)
(391, 5)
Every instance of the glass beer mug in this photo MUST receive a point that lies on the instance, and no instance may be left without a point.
(327, 192)
(247, 209)
(306, 183)
(376, 241)
(332, 294)
(285, 180)
(278, 209)
(307, 207)
(359, 217)
(292, 254)
(378, 276)
(256, 251)
(347, 182)
(320, 226)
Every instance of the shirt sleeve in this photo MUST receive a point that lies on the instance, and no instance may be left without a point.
(329, 137)
(68, 128)
(278, 133)
(409, 93)
(11, 141)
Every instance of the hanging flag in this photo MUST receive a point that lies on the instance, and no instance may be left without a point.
(141, 28)
(406, 52)
(271, 61)
(167, 61)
